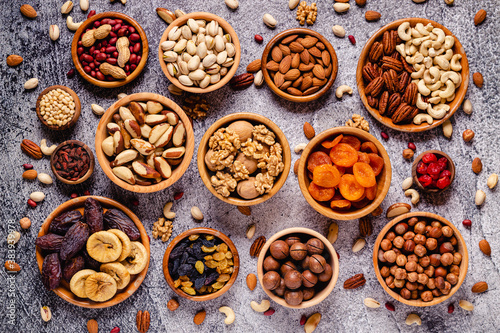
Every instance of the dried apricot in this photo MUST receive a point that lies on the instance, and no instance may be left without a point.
(321, 193)
(340, 204)
(350, 188)
(352, 141)
(364, 174)
(333, 143)
(371, 192)
(369, 147)
(363, 157)
(341, 169)
(344, 155)
(377, 163)
(326, 175)
(317, 158)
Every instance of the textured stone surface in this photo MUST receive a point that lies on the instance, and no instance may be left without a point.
(343, 311)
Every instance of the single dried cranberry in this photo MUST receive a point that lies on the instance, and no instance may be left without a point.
(258, 38)
(135, 202)
(412, 146)
(178, 195)
(422, 168)
(303, 320)
(74, 195)
(31, 203)
(451, 308)
(338, 255)
(425, 180)
(27, 166)
(115, 330)
(445, 173)
(86, 192)
(352, 39)
(269, 312)
(434, 169)
(467, 223)
(428, 158)
(443, 182)
(70, 73)
(384, 135)
(390, 306)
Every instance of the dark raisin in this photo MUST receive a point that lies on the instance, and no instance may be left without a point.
(50, 242)
(93, 215)
(184, 269)
(61, 224)
(177, 252)
(199, 281)
(116, 219)
(51, 271)
(211, 278)
(71, 266)
(74, 240)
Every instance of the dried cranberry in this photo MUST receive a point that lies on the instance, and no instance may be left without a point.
(428, 158)
(467, 223)
(434, 169)
(352, 39)
(422, 168)
(74, 195)
(384, 135)
(451, 308)
(86, 192)
(303, 320)
(412, 146)
(31, 203)
(178, 195)
(425, 180)
(443, 182)
(115, 330)
(27, 166)
(269, 312)
(259, 39)
(390, 306)
(445, 173)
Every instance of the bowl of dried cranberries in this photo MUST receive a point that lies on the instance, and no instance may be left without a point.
(433, 171)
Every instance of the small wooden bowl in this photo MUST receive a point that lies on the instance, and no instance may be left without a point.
(254, 118)
(460, 93)
(91, 158)
(90, 23)
(275, 40)
(451, 168)
(227, 29)
(78, 108)
(462, 249)
(333, 261)
(102, 133)
(64, 290)
(208, 231)
(383, 179)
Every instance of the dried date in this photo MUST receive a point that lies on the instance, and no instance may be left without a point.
(61, 224)
(50, 242)
(116, 219)
(72, 266)
(74, 240)
(93, 215)
(90, 262)
(51, 271)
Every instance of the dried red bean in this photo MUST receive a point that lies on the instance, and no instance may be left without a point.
(259, 39)
(74, 195)
(178, 195)
(467, 223)
(137, 48)
(86, 192)
(97, 24)
(352, 39)
(100, 76)
(131, 29)
(134, 37)
(384, 135)
(71, 73)
(135, 202)
(338, 255)
(111, 22)
(31, 203)
(79, 50)
(390, 306)
(303, 320)
(412, 146)
(451, 308)
(27, 166)
(269, 312)
(91, 13)
(115, 330)
(112, 61)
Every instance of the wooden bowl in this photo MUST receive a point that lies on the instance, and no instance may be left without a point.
(460, 93)
(91, 158)
(89, 23)
(63, 290)
(102, 133)
(383, 179)
(274, 41)
(78, 108)
(227, 29)
(209, 231)
(451, 168)
(205, 173)
(462, 249)
(333, 261)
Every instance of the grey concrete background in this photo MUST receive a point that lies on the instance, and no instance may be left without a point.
(343, 310)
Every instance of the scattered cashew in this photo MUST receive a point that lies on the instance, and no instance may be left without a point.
(298, 148)
(407, 183)
(447, 129)
(262, 307)
(404, 31)
(166, 211)
(415, 197)
(421, 117)
(413, 319)
(73, 26)
(229, 314)
(341, 90)
(47, 150)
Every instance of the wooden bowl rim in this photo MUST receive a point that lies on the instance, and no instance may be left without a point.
(101, 134)
(78, 107)
(226, 27)
(454, 105)
(252, 117)
(334, 262)
(134, 74)
(462, 249)
(134, 284)
(283, 94)
(209, 231)
(451, 166)
(385, 175)
(91, 160)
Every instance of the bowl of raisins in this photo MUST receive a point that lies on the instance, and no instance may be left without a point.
(433, 171)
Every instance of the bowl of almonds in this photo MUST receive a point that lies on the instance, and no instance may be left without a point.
(299, 65)
(412, 74)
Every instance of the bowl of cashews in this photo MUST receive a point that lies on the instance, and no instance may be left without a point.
(412, 74)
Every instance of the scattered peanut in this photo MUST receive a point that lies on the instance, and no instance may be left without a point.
(196, 213)
(46, 313)
(31, 84)
(492, 180)
(480, 197)
(44, 178)
(341, 7)
(13, 237)
(407, 183)
(467, 106)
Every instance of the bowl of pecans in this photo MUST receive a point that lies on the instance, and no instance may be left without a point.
(299, 65)
(412, 74)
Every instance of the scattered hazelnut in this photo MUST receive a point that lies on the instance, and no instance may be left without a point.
(401, 228)
(408, 153)
(25, 223)
(384, 271)
(412, 276)
(457, 258)
(173, 304)
(468, 135)
(411, 266)
(431, 244)
(440, 271)
(424, 261)
(452, 278)
(401, 260)
(405, 293)
(420, 250)
(447, 231)
(390, 236)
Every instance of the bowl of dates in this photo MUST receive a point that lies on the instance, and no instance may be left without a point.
(92, 252)
(433, 171)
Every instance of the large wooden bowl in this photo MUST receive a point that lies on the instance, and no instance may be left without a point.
(63, 290)
(462, 249)
(91, 162)
(275, 40)
(90, 23)
(102, 133)
(208, 231)
(255, 119)
(333, 261)
(227, 29)
(383, 179)
(460, 93)
(451, 168)
(76, 115)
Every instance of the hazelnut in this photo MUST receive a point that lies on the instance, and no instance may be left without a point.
(426, 296)
(424, 261)
(440, 271)
(393, 269)
(436, 293)
(468, 135)
(446, 289)
(457, 258)
(420, 250)
(420, 269)
(430, 271)
(412, 276)
(386, 245)
(435, 232)
(271, 280)
(298, 251)
(326, 275)
(411, 266)
(411, 222)
(420, 239)
(280, 291)
(435, 259)
(423, 279)
(401, 228)
(455, 269)
(381, 256)
(411, 286)
(25, 223)
(390, 256)
(305, 263)
(173, 304)
(431, 244)
(447, 259)
(315, 246)
(398, 242)
(400, 274)
(396, 250)
(309, 279)
(390, 281)
(294, 297)
(287, 267)
(279, 249)
(293, 280)
(408, 153)
(428, 229)
(409, 235)
(271, 264)
(385, 271)
(453, 241)
(405, 293)
(308, 293)
(317, 263)
(446, 247)
(399, 283)
(414, 294)
(419, 228)
(436, 224)
(291, 240)
(413, 257)
(390, 236)
(409, 246)
(447, 231)
(401, 260)
(452, 278)
(431, 284)
(440, 282)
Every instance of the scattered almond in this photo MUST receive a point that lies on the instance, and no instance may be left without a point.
(14, 60)
(477, 165)
(296, 167)
(29, 174)
(245, 210)
(254, 66)
(199, 317)
(309, 131)
(251, 281)
(92, 326)
(480, 17)
(12, 266)
(484, 246)
(372, 15)
(479, 287)
(478, 80)
(28, 11)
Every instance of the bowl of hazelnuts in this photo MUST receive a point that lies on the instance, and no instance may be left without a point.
(420, 259)
(298, 268)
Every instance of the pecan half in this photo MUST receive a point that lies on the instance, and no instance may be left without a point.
(370, 72)
(410, 95)
(404, 81)
(376, 52)
(407, 66)
(354, 282)
(31, 149)
(390, 81)
(373, 102)
(389, 41)
(257, 246)
(402, 113)
(393, 104)
(242, 81)
(365, 226)
(382, 103)
(375, 87)
(143, 320)
(390, 62)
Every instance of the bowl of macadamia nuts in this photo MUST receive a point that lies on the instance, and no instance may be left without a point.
(244, 159)
(298, 268)
(420, 259)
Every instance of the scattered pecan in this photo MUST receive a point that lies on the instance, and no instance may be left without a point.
(242, 81)
(31, 149)
(365, 226)
(143, 320)
(257, 246)
(354, 282)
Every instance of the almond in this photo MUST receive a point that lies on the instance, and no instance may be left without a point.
(372, 15)
(292, 75)
(251, 281)
(296, 47)
(272, 66)
(12, 266)
(254, 66)
(319, 71)
(29, 174)
(289, 39)
(296, 167)
(294, 91)
(305, 56)
(199, 317)
(285, 64)
(315, 52)
(325, 56)
(477, 165)
(480, 17)
(28, 11)
(92, 326)
(279, 79)
(309, 42)
(309, 131)
(479, 287)
(14, 60)
(285, 49)
(245, 210)
(484, 246)
(478, 80)
(295, 61)
(276, 54)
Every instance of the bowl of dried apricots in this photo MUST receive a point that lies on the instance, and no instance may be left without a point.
(344, 173)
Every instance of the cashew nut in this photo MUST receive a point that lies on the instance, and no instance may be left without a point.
(229, 314)
(422, 88)
(421, 117)
(436, 45)
(420, 28)
(341, 90)
(415, 33)
(440, 35)
(47, 150)
(415, 197)
(298, 148)
(427, 62)
(408, 44)
(448, 54)
(450, 89)
(455, 63)
(435, 99)
(453, 76)
(449, 41)
(416, 59)
(404, 31)
(420, 103)
(435, 86)
(432, 75)
(439, 111)
(447, 129)
(73, 26)
(262, 307)
(429, 27)
(419, 73)
(424, 47)
(166, 211)
(407, 183)
(442, 62)
(401, 49)
(449, 99)
(420, 40)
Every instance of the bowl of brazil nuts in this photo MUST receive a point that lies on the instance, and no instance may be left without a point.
(412, 74)
(199, 52)
(299, 65)
(420, 259)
